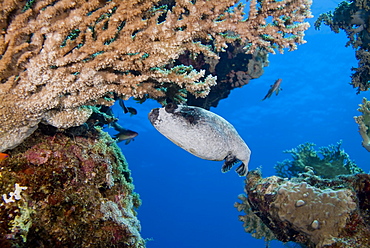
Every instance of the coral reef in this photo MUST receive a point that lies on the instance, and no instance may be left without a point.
(353, 18)
(311, 211)
(68, 191)
(363, 122)
(327, 162)
(57, 56)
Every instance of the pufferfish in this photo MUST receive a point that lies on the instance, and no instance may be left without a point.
(203, 134)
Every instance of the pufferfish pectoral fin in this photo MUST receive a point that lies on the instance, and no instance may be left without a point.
(230, 160)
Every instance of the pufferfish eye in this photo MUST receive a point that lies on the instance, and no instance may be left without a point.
(170, 108)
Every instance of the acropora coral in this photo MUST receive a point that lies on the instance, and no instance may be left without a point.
(61, 190)
(363, 122)
(309, 210)
(353, 16)
(327, 162)
(60, 55)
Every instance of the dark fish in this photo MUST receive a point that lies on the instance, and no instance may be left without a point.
(127, 135)
(125, 109)
(123, 133)
(274, 88)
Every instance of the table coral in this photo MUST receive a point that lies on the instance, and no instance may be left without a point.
(312, 211)
(70, 192)
(57, 56)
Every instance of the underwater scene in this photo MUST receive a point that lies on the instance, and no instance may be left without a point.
(185, 123)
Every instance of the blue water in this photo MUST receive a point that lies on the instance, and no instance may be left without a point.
(187, 201)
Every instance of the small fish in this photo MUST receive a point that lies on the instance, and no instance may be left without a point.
(273, 88)
(123, 133)
(126, 110)
(127, 135)
(3, 156)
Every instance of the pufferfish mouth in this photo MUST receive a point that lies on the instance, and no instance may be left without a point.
(153, 115)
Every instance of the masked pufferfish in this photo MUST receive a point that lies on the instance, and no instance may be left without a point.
(203, 134)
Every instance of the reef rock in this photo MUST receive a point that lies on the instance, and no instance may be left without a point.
(68, 191)
(312, 211)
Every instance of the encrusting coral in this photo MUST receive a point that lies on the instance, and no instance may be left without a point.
(363, 122)
(57, 56)
(309, 210)
(62, 190)
(319, 199)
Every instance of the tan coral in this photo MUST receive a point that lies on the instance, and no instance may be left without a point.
(363, 122)
(319, 213)
(309, 210)
(68, 118)
(61, 55)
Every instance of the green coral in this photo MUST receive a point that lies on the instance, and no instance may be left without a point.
(251, 222)
(22, 222)
(327, 162)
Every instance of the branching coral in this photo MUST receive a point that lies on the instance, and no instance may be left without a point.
(353, 17)
(328, 162)
(251, 222)
(56, 56)
(363, 122)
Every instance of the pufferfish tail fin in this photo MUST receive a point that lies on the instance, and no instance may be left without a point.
(230, 161)
(242, 170)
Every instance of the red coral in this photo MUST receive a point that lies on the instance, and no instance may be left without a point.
(37, 156)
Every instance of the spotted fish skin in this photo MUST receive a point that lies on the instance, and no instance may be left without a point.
(203, 134)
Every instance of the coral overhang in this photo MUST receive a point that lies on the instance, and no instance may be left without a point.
(57, 56)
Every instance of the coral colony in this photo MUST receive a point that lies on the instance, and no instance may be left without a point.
(63, 63)
(13, 196)
(59, 56)
(309, 210)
